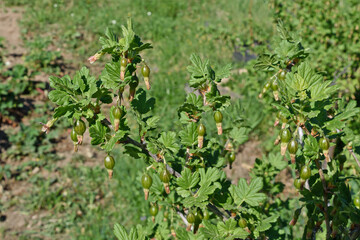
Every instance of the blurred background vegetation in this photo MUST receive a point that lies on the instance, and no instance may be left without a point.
(59, 194)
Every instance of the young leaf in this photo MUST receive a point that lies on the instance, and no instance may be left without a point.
(152, 122)
(265, 224)
(311, 147)
(283, 32)
(229, 229)
(224, 72)
(266, 62)
(189, 135)
(350, 111)
(67, 110)
(113, 140)
(59, 97)
(248, 194)
(322, 90)
(110, 76)
(97, 132)
(120, 232)
(192, 106)
(128, 34)
(186, 182)
(168, 139)
(240, 135)
(198, 70)
(141, 104)
(109, 42)
(211, 176)
(303, 79)
(210, 231)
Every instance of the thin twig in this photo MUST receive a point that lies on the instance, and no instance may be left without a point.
(355, 234)
(183, 218)
(327, 221)
(306, 130)
(156, 158)
(354, 156)
(215, 210)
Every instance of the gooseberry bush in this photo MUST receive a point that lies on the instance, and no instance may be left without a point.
(315, 135)
(189, 195)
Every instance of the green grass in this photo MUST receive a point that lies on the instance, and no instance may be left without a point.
(80, 201)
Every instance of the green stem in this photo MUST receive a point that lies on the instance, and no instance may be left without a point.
(148, 168)
(73, 98)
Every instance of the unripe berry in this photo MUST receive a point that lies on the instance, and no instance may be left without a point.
(117, 113)
(133, 85)
(282, 75)
(146, 182)
(191, 220)
(242, 223)
(201, 129)
(218, 119)
(198, 217)
(165, 178)
(79, 128)
(357, 202)
(324, 145)
(153, 211)
(275, 87)
(267, 86)
(74, 138)
(201, 132)
(109, 163)
(285, 137)
(206, 215)
(145, 71)
(123, 64)
(166, 215)
(265, 89)
(305, 172)
(298, 183)
(295, 217)
(292, 148)
(231, 158)
(73, 135)
(281, 117)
